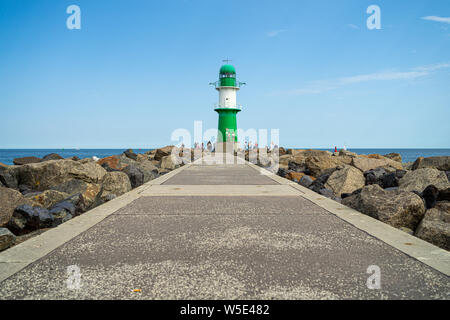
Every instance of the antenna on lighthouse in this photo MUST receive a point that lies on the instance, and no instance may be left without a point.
(227, 61)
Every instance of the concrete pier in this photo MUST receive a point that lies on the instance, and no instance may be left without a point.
(224, 231)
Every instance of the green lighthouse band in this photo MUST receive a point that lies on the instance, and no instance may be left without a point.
(227, 124)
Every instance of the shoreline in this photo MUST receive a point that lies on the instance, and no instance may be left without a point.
(7, 155)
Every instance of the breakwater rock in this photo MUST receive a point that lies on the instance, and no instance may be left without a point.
(414, 198)
(37, 194)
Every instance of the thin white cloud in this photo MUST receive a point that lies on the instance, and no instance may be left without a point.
(437, 19)
(434, 67)
(387, 75)
(317, 87)
(352, 26)
(274, 33)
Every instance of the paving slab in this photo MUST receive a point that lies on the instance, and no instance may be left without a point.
(221, 205)
(219, 175)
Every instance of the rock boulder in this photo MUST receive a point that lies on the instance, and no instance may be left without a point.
(62, 212)
(115, 183)
(26, 160)
(52, 156)
(397, 208)
(306, 181)
(135, 175)
(9, 200)
(163, 152)
(110, 163)
(170, 162)
(47, 198)
(45, 175)
(27, 218)
(295, 176)
(346, 180)
(365, 164)
(435, 226)
(394, 156)
(7, 239)
(8, 177)
(325, 164)
(419, 179)
(439, 163)
(130, 154)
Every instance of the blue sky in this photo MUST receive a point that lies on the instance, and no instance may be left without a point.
(139, 69)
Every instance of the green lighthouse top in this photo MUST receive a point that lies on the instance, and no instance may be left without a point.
(227, 77)
(227, 69)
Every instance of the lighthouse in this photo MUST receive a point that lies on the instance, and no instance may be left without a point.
(228, 86)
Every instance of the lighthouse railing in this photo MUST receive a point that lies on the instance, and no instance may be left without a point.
(217, 84)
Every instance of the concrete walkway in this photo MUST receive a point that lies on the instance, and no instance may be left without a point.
(209, 231)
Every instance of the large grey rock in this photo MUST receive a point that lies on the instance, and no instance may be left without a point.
(71, 186)
(84, 195)
(325, 164)
(52, 156)
(365, 164)
(285, 159)
(430, 195)
(394, 156)
(115, 183)
(375, 176)
(47, 198)
(142, 157)
(439, 163)
(149, 170)
(45, 175)
(346, 180)
(170, 162)
(62, 212)
(130, 154)
(347, 153)
(8, 177)
(435, 226)
(27, 218)
(319, 183)
(397, 208)
(135, 175)
(9, 200)
(91, 197)
(306, 181)
(26, 160)
(419, 179)
(163, 152)
(7, 239)
(327, 193)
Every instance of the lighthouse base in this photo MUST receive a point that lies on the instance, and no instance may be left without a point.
(226, 147)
